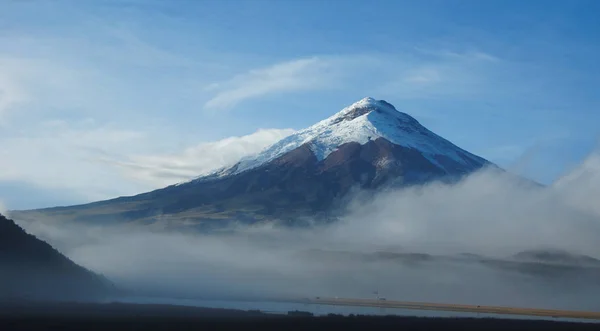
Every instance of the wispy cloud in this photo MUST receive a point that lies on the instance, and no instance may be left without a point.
(157, 171)
(403, 75)
(75, 75)
(470, 55)
(296, 75)
(94, 161)
(429, 74)
(129, 48)
(38, 85)
(423, 76)
(582, 185)
(10, 93)
(53, 156)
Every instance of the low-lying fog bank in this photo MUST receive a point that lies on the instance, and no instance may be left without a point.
(408, 245)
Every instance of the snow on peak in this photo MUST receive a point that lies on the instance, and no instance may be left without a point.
(365, 106)
(364, 120)
(368, 101)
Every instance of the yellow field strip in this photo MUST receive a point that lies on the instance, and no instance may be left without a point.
(453, 307)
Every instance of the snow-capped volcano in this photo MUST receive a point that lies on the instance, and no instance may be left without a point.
(364, 120)
(366, 146)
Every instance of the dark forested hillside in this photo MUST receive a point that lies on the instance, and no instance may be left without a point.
(32, 269)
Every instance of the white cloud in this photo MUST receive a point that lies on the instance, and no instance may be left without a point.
(431, 75)
(471, 55)
(488, 213)
(10, 93)
(296, 75)
(157, 171)
(96, 162)
(581, 186)
(31, 86)
(423, 76)
(54, 156)
(79, 77)
(128, 47)
(401, 75)
(484, 56)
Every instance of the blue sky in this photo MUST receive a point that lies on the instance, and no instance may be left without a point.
(107, 98)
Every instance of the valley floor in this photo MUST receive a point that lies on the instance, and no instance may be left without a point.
(120, 316)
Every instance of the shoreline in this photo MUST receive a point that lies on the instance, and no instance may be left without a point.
(127, 316)
(463, 308)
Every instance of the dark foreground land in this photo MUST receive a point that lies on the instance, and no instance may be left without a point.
(117, 316)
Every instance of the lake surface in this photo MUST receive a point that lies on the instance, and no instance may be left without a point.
(318, 309)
